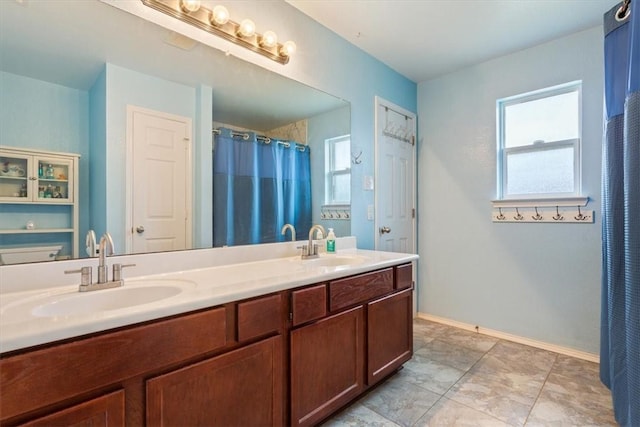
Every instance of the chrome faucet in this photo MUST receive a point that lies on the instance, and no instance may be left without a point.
(90, 243)
(290, 227)
(105, 248)
(311, 249)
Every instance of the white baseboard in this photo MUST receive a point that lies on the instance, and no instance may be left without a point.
(514, 338)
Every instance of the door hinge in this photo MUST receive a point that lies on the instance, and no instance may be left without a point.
(413, 140)
(290, 316)
(413, 212)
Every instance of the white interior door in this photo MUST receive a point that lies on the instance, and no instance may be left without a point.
(395, 182)
(159, 181)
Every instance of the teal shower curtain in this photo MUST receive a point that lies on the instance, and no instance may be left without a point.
(620, 326)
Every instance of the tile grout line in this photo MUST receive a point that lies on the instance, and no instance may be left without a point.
(442, 396)
(458, 380)
(544, 383)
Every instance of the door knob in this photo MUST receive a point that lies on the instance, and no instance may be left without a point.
(140, 229)
(385, 230)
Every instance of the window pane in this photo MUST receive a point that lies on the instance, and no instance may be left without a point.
(342, 156)
(538, 172)
(554, 118)
(341, 188)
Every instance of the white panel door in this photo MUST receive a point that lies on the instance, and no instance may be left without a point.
(395, 178)
(160, 181)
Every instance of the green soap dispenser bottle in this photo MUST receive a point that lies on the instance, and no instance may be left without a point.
(331, 242)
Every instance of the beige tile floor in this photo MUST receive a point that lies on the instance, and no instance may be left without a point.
(461, 378)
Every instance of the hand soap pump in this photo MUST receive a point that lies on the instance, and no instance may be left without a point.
(331, 242)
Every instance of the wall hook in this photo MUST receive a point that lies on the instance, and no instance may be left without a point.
(355, 158)
(580, 217)
(557, 216)
(537, 216)
(501, 216)
(518, 216)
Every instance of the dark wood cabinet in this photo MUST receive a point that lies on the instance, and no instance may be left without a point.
(327, 366)
(389, 334)
(367, 336)
(104, 411)
(239, 388)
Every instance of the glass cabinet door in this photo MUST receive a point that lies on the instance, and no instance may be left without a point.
(14, 178)
(53, 180)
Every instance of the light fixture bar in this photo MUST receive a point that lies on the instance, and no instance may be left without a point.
(201, 18)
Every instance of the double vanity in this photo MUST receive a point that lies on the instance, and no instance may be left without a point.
(238, 336)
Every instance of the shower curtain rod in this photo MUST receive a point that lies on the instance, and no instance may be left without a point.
(262, 138)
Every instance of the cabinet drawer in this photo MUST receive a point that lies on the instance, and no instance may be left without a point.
(107, 411)
(404, 276)
(259, 317)
(309, 304)
(353, 290)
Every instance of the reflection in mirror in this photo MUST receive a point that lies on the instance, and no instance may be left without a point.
(71, 83)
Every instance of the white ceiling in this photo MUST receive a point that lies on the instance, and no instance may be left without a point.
(422, 39)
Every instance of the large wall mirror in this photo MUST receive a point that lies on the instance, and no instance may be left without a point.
(87, 78)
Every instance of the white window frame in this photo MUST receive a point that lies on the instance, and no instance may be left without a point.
(503, 152)
(330, 170)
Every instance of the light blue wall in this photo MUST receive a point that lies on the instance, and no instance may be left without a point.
(126, 87)
(98, 154)
(203, 169)
(540, 281)
(320, 128)
(45, 116)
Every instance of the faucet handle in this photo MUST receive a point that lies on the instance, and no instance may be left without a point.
(117, 271)
(85, 275)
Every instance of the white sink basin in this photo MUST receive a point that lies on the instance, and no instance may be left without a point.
(81, 303)
(331, 261)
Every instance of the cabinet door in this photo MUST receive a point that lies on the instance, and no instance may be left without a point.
(105, 411)
(327, 366)
(389, 333)
(239, 388)
(54, 179)
(15, 185)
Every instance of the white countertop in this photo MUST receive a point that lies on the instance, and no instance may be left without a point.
(199, 288)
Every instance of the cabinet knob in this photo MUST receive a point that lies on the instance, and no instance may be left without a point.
(140, 229)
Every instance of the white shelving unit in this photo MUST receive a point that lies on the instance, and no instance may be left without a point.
(33, 183)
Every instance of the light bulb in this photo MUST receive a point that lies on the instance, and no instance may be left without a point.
(189, 6)
(219, 15)
(247, 28)
(269, 39)
(288, 48)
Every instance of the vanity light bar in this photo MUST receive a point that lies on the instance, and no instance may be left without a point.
(216, 22)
